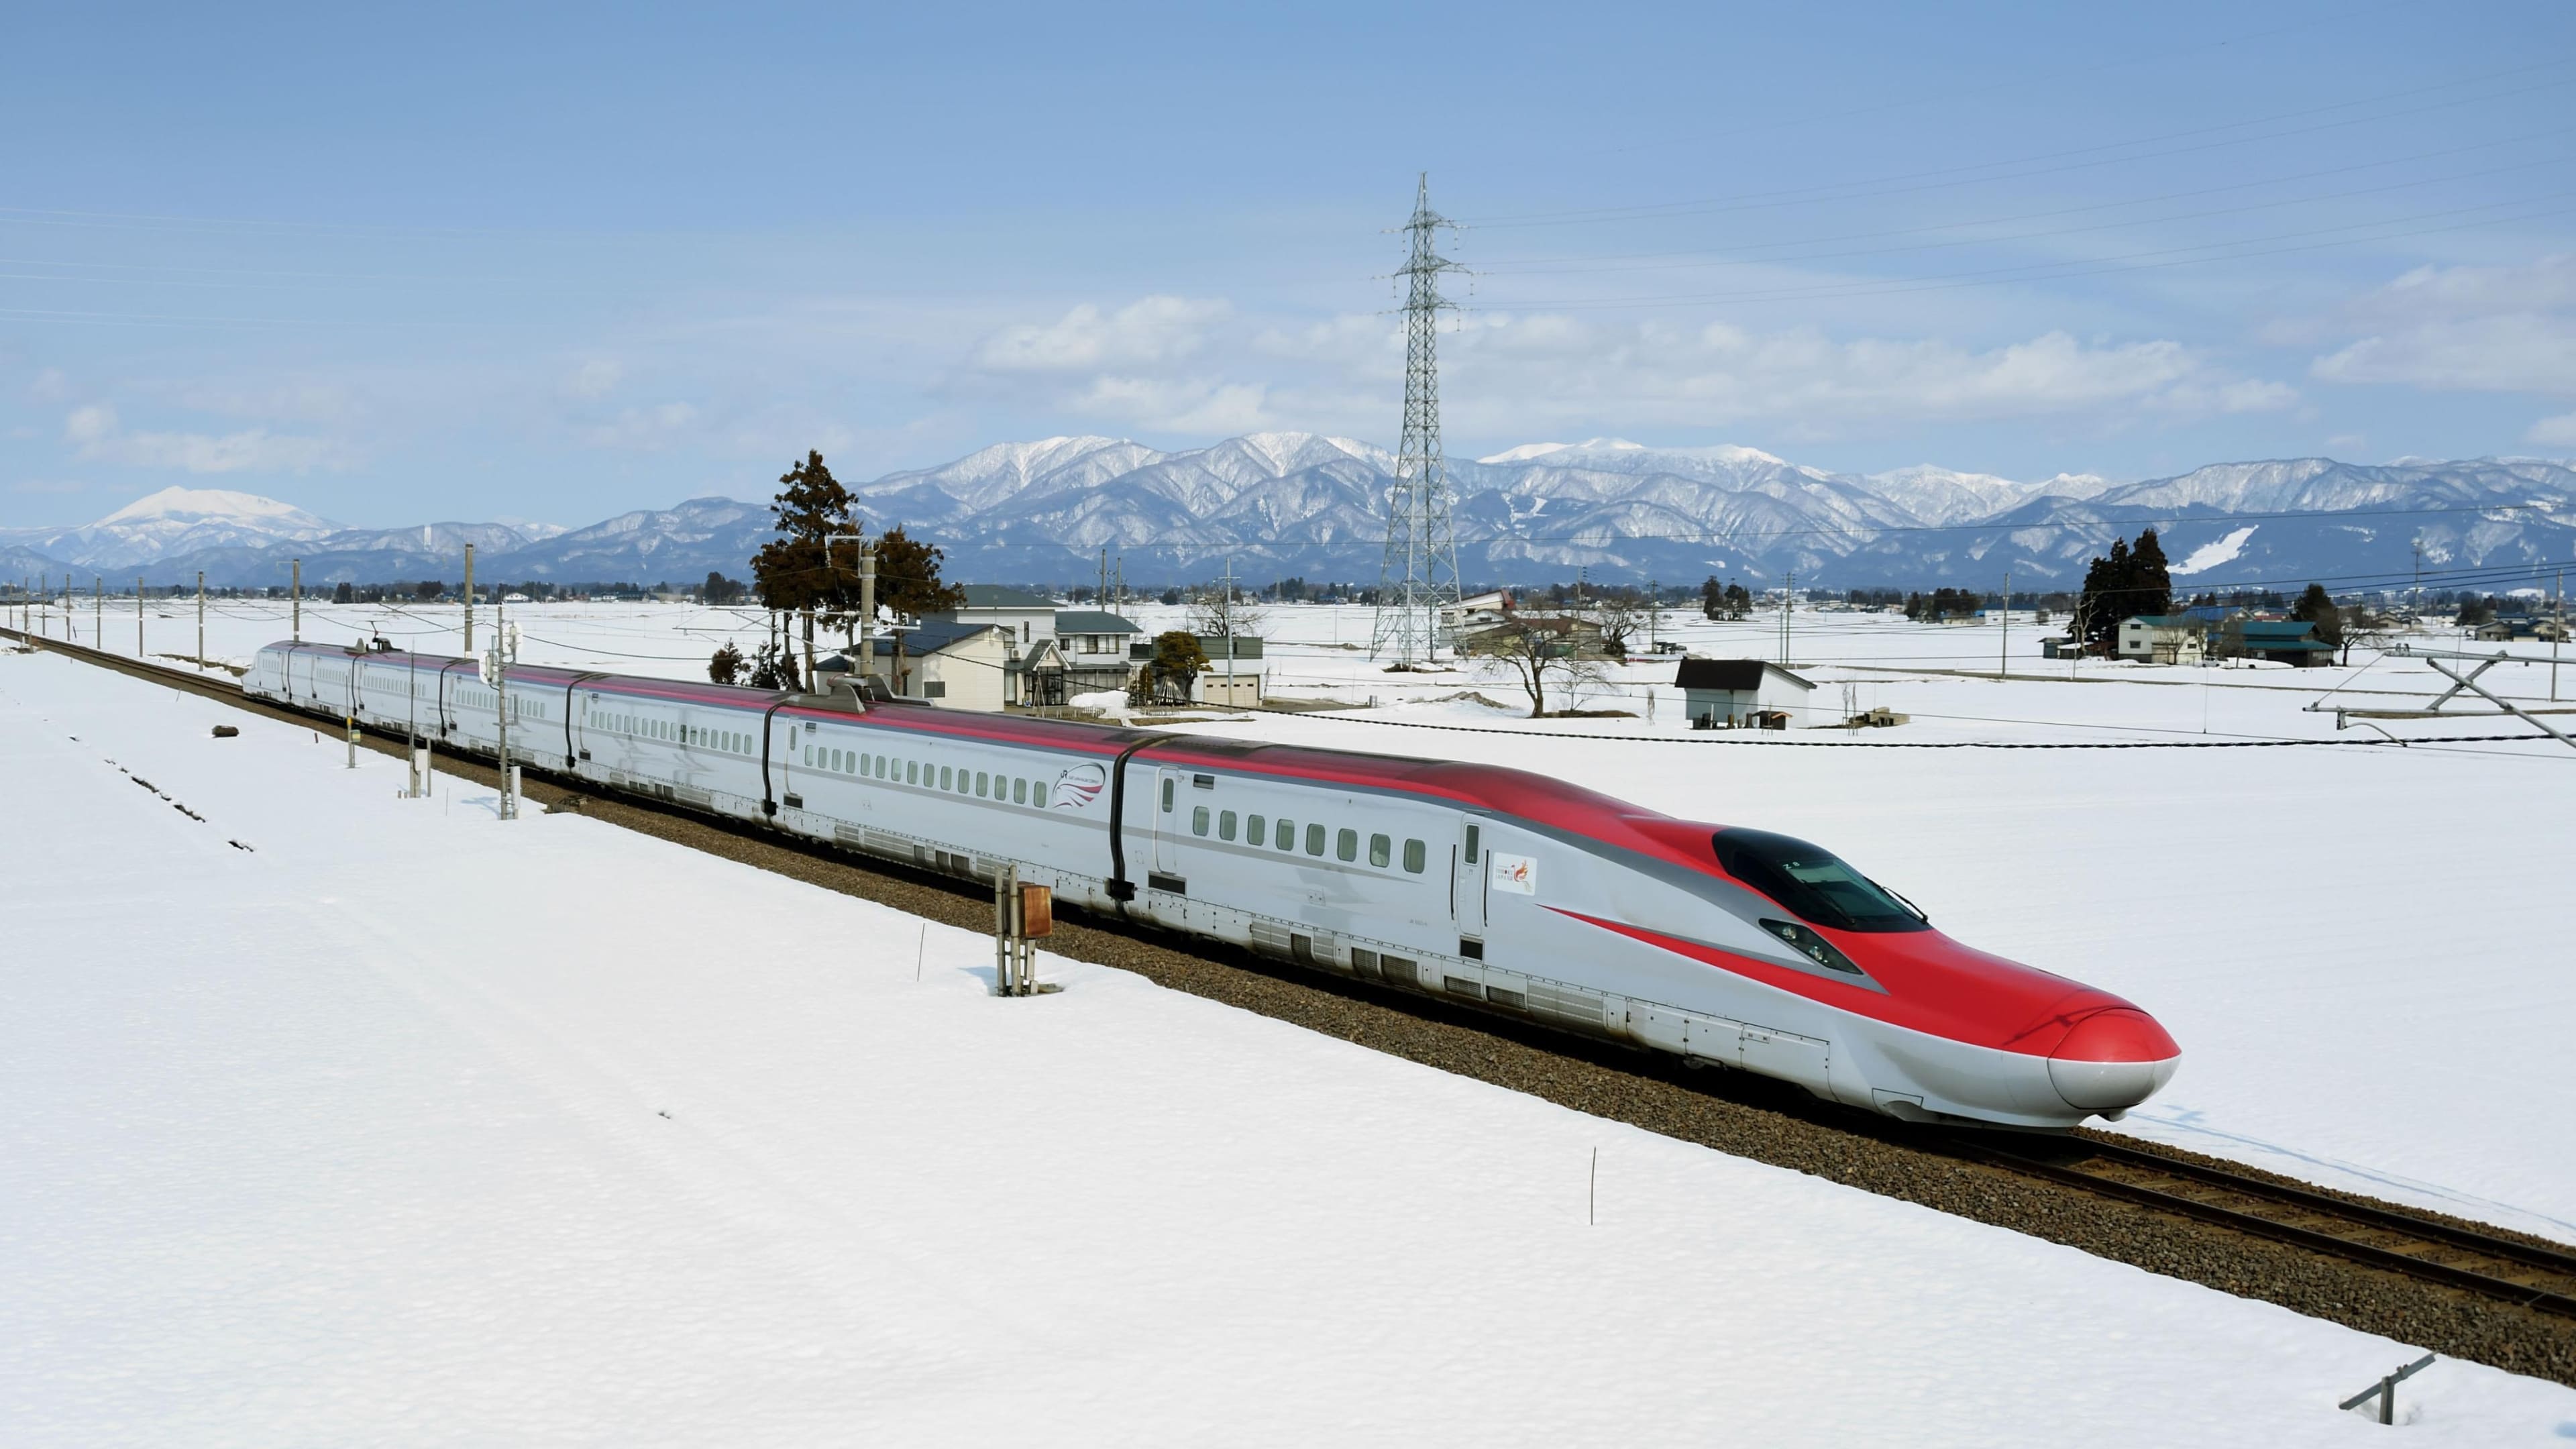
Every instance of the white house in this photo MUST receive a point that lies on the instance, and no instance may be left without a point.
(954, 666)
(2162, 638)
(1024, 616)
(1743, 694)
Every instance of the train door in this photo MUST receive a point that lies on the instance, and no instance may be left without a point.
(1168, 785)
(1467, 878)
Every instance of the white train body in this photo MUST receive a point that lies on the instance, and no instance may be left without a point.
(1484, 885)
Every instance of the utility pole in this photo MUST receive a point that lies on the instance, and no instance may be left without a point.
(469, 601)
(867, 608)
(98, 614)
(1100, 596)
(2416, 594)
(297, 592)
(2003, 655)
(1225, 618)
(1419, 574)
(2558, 611)
(201, 618)
(496, 672)
(1788, 591)
(138, 618)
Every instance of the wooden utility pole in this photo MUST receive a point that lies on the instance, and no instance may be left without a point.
(2003, 655)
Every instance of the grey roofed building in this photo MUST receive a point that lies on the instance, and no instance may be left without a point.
(998, 596)
(1093, 621)
(1735, 693)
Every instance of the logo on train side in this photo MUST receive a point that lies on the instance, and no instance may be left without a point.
(1517, 874)
(1078, 787)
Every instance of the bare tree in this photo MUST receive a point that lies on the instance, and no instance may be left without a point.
(1619, 616)
(1541, 650)
(1217, 613)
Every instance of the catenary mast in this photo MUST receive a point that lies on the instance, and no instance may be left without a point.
(1420, 574)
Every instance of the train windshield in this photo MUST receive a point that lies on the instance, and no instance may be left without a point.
(1814, 882)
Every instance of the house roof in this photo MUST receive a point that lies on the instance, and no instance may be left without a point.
(996, 596)
(2270, 632)
(1731, 674)
(933, 636)
(1092, 621)
(2162, 621)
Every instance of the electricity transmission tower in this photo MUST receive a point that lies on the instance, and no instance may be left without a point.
(1420, 574)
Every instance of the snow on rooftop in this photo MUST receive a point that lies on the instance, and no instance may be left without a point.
(412, 1125)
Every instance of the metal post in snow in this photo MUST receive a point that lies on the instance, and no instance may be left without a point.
(138, 616)
(469, 600)
(201, 618)
(296, 592)
(2003, 654)
(2558, 609)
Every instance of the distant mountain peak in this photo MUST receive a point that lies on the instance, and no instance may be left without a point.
(211, 504)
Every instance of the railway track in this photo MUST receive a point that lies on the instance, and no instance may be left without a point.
(2525, 1272)
(2462, 1289)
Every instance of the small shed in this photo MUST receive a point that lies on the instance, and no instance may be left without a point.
(1736, 693)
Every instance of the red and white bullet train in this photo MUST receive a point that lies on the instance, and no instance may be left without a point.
(1520, 893)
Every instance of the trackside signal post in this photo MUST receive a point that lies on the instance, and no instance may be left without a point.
(1021, 914)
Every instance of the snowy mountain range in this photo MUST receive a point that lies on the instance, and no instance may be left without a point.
(1301, 503)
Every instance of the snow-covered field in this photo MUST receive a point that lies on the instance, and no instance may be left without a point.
(405, 1125)
(2360, 948)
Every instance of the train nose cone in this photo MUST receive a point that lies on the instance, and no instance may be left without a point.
(2113, 1060)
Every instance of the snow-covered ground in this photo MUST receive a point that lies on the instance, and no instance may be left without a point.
(405, 1125)
(2359, 948)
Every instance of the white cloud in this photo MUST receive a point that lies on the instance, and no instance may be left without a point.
(2557, 432)
(1150, 330)
(1192, 366)
(595, 378)
(647, 429)
(93, 430)
(2465, 329)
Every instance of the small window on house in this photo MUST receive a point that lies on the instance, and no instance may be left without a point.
(1286, 839)
(1381, 850)
(1199, 821)
(1167, 794)
(1314, 840)
(1225, 825)
(1413, 856)
(1346, 845)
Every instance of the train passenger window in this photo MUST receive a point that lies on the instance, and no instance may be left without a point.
(1199, 820)
(983, 784)
(1314, 840)
(1346, 845)
(1225, 825)
(912, 772)
(1287, 837)
(1256, 830)
(1381, 850)
(1474, 833)
(1167, 794)
(1413, 856)
(809, 757)
(943, 778)
(1019, 792)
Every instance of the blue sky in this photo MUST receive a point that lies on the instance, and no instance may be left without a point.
(498, 263)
